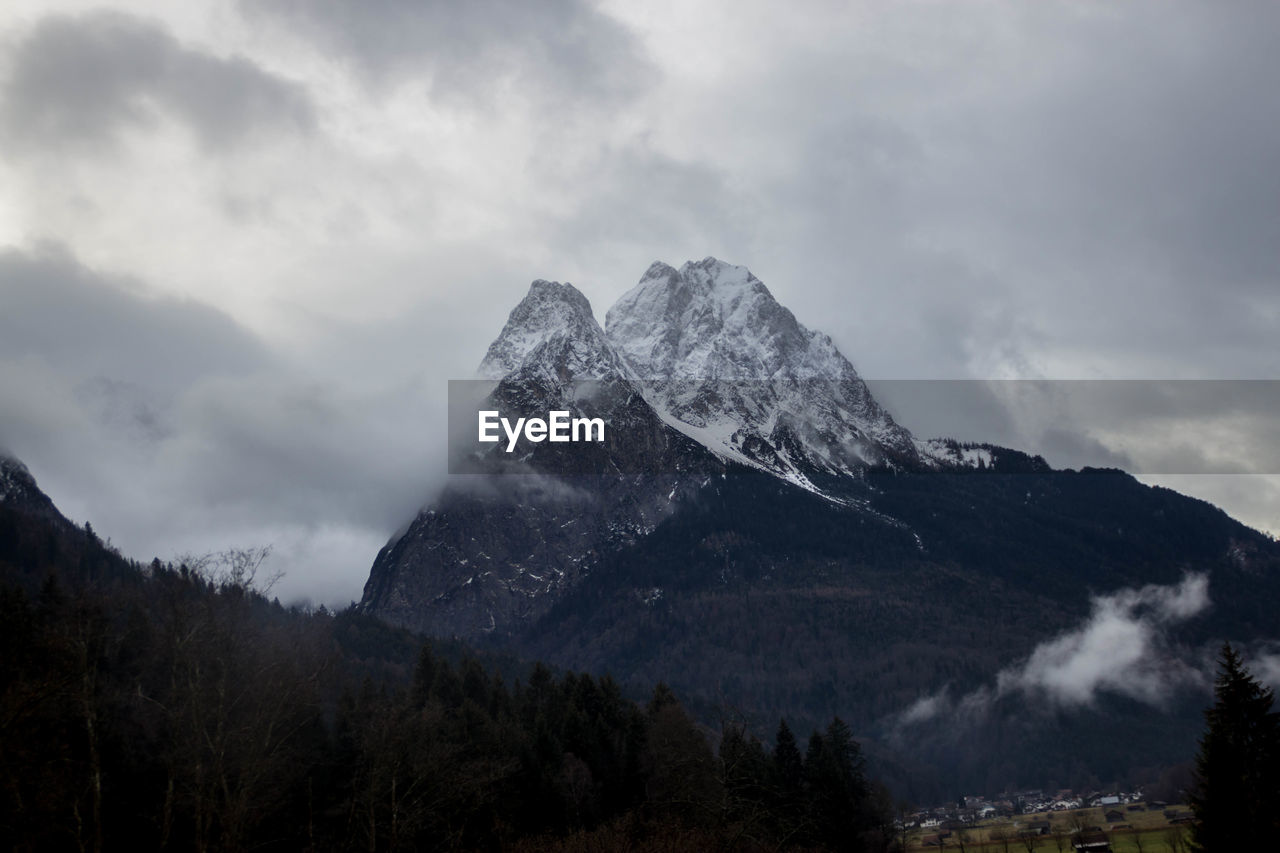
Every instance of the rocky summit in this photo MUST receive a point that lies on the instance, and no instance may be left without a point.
(700, 373)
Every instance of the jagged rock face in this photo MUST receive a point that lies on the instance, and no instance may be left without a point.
(701, 373)
(552, 332)
(504, 541)
(724, 362)
(499, 551)
(711, 320)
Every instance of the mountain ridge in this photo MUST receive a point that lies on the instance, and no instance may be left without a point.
(748, 541)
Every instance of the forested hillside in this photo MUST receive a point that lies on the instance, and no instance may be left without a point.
(178, 707)
(760, 599)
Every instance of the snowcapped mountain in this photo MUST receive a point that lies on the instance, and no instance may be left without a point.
(717, 358)
(726, 364)
(701, 373)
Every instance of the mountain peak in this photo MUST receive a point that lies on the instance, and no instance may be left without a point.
(713, 271)
(708, 274)
(717, 358)
(659, 269)
(554, 328)
(735, 369)
(709, 320)
(543, 292)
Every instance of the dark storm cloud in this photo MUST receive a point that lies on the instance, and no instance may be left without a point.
(1000, 190)
(91, 367)
(1122, 182)
(950, 190)
(76, 82)
(179, 386)
(545, 49)
(90, 326)
(174, 429)
(1167, 140)
(307, 451)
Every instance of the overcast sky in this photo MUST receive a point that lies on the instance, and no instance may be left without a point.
(244, 243)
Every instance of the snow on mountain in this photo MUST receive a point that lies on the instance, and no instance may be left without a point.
(938, 452)
(710, 321)
(699, 368)
(553, 332)
(722, 361)
(494, 552)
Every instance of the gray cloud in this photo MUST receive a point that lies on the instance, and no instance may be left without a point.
(1120, 649)
(91, 326)
(1003, 191)
(175, 430)
(76, 82)
(1265, 666)
(1117, 650)
(1055, 189)
(547, 50)
(1154, 426)
(1124, 184)
(640, 198)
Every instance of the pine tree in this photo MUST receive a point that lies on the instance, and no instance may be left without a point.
(786, 760)
(1237, 782)
(842, 810)
(788, 796)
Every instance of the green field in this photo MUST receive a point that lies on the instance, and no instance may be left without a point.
(1140, 832)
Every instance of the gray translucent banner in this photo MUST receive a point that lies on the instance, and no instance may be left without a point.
(1141, 426)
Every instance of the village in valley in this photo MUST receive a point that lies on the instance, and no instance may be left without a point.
(1059, 821)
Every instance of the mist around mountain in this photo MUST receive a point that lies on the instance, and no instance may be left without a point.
(760, 533)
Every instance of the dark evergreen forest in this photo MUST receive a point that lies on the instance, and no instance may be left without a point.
(178, 707)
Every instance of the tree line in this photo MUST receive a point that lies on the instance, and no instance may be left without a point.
(174, 707)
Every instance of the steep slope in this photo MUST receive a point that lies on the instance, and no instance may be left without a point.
(506, 541)
(767, 603)
(37, 540)
(508, 538)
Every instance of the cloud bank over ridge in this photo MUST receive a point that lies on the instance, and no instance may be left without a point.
(1122, 649)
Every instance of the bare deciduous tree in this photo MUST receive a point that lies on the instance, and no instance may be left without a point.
(1061, 835)
(1002, 836)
